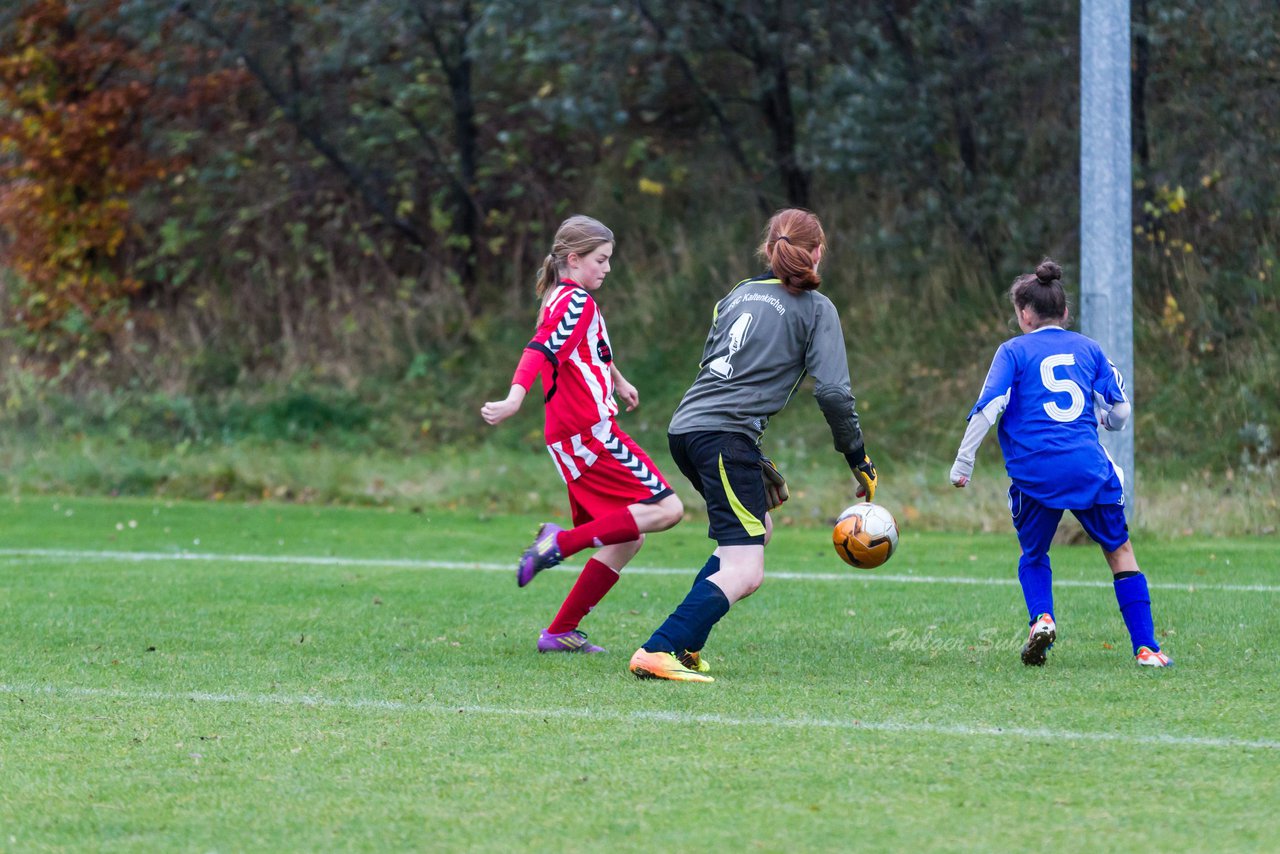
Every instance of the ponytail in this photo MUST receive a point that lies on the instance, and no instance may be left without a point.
(547, 276)
(791, 238)
(576, 235)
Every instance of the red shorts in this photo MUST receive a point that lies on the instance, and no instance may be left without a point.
(606, 471)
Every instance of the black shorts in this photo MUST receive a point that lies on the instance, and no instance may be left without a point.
(725, 469)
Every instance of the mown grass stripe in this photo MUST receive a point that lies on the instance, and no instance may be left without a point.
(17, 555)
(641, 716)
(408, 563)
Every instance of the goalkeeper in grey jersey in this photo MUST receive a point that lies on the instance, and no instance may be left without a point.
(766, 336)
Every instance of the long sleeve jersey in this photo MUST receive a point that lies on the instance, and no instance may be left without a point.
(577, 376)
(764, 340)
(1042, 387)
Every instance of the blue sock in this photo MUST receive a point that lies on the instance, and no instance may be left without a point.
(1135, 606)
(699, 637)
(710, 568)
(692, 619)
(1036, 579)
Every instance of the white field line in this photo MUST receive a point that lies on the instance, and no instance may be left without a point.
(640, 716)
(14, 555)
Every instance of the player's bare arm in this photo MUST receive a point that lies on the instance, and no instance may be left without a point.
(625, 391)
(497, 411)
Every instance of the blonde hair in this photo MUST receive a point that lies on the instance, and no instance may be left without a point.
(789, 241)
(577, 235)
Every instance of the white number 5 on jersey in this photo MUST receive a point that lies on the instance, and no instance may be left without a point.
(1063, 386)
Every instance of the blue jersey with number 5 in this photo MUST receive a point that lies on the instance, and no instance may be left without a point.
(1045, 383)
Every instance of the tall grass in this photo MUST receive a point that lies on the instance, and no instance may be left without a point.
(514, 476)
(276, 385)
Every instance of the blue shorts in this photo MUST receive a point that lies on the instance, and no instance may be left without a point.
(725, 469)
(1036, 524)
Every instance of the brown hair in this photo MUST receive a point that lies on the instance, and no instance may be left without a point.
(576, 235)
(1042, 291)
(789, 241)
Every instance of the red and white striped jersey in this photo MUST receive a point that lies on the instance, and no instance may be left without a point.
(576, 378)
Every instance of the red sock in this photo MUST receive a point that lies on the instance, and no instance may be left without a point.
(596, 580)
(617, 527)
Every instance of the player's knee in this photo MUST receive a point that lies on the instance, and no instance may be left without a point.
(618, 555)
(672, 511)
(1123, 549)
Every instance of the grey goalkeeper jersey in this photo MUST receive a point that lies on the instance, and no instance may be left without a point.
(763, 341)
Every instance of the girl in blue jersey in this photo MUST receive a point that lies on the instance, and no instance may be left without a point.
(1054, 389)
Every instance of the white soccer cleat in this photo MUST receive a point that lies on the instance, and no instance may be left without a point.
(1148, 657)
(1043, 633)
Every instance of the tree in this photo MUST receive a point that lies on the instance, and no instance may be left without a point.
(956, 121)
(746, 62)
(74, 149)
(413, 105)
(69, 133)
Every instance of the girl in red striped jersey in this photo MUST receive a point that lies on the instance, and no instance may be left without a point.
(616, 493)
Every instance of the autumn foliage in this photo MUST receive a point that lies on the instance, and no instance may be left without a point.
(74, 103)
(71, 159)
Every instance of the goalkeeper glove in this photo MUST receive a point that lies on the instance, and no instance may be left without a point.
(775, 485)
(865, 474)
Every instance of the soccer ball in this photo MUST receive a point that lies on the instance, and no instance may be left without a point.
(865, 535)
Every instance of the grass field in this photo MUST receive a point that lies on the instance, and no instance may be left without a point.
(207, 676)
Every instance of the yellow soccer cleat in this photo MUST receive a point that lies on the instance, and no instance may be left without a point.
(663, 665)
(693, 661)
